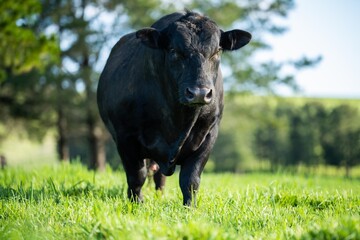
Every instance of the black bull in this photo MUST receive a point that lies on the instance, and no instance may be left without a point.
(161, 97)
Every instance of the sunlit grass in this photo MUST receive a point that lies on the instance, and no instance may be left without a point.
(70, 202)
(21, 151)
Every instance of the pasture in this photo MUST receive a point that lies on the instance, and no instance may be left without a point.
(66, 201)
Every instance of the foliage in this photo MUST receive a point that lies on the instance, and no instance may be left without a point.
(306, 132)
(70, 202)
(21, 47)
(342, 138)
(25, 52)
(226, 150)
(84, 29)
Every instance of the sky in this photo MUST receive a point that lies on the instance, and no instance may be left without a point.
(330, 28)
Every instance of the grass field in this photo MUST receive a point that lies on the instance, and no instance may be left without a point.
(70, 202)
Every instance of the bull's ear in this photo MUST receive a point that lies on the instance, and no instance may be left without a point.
(234, 39)
(150, 37)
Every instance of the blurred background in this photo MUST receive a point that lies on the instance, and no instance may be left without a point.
(292, 95)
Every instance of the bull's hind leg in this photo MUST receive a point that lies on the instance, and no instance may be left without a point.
(159, 180)
(155, 173)
(136, 172)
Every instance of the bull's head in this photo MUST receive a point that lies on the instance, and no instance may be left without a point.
(193, 45)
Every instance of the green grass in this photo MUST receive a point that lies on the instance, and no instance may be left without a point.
(70, 202)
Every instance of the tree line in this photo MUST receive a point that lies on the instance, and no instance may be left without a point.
(286, 134)
(52, 52)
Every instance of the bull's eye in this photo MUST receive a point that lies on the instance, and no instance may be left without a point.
(175, 55)
(216, 55)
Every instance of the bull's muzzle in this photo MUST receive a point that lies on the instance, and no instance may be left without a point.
(196, 95)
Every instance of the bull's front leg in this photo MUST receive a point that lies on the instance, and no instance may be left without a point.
(136, 176)
(190, 175)
(135, 168)
(192, 167)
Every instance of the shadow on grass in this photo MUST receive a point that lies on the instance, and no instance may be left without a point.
(296, 201)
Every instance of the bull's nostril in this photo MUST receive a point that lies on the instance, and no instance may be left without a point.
(209, 94)
(189, 94)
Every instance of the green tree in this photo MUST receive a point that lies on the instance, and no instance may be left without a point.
(24, 53)
(271, 135)
(341, 142)
(225, 155)
(269, 144)
(63, 93)
(84, 33)
(306, 132)
(21, 47)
